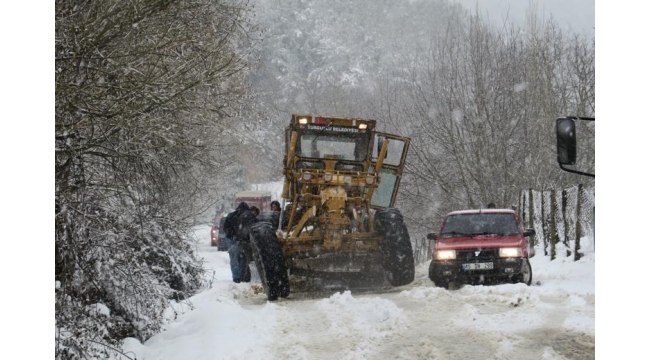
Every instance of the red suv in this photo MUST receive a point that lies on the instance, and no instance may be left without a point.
(481, 246)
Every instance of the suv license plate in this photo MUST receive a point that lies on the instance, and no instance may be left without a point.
(478, 266)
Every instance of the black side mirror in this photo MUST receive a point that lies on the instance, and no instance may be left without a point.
(529, 232)
(432, 236)
(566, 141)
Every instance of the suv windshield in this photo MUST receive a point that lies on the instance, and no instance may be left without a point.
(480, 224)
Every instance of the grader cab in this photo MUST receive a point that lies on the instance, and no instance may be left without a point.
(341, 179)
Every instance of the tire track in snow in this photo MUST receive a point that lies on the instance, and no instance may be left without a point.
(431, 332)
(304, 333)
(338, 327)
(420, 321)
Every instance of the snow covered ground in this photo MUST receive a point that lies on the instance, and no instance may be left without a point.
(552, 319)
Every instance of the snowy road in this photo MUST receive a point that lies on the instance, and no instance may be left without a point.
(422, 322)
(553, 319)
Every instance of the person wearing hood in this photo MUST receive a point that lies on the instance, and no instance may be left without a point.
(244, 223)
(231, 229)
(273, 216)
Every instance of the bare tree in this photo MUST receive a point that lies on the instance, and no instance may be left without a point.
(480, 108)
(144, 89)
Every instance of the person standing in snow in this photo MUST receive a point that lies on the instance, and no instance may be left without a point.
(254, 210)
(274, 215)
(230, 227)
(300, 210)
(244, 222)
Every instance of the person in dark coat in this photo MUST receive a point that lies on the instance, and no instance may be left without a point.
(273, 216)
(231, 227)
(244, 222)
(255, 211)
(300, 210)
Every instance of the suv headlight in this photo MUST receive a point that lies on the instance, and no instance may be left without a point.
(445, 255)
(510, 252)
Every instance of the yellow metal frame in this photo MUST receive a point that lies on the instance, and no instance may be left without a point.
(333, 199)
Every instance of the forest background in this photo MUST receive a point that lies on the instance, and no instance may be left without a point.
(136, 171)
(165, 108)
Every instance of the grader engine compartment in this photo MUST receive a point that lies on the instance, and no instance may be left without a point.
(340, 183)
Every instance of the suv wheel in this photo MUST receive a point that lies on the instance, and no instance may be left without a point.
(526, 275)
(437, 282)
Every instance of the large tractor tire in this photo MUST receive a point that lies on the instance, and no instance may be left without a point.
(269, 261)
(397, 251)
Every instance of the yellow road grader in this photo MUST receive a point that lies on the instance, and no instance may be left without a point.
(341, 179)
